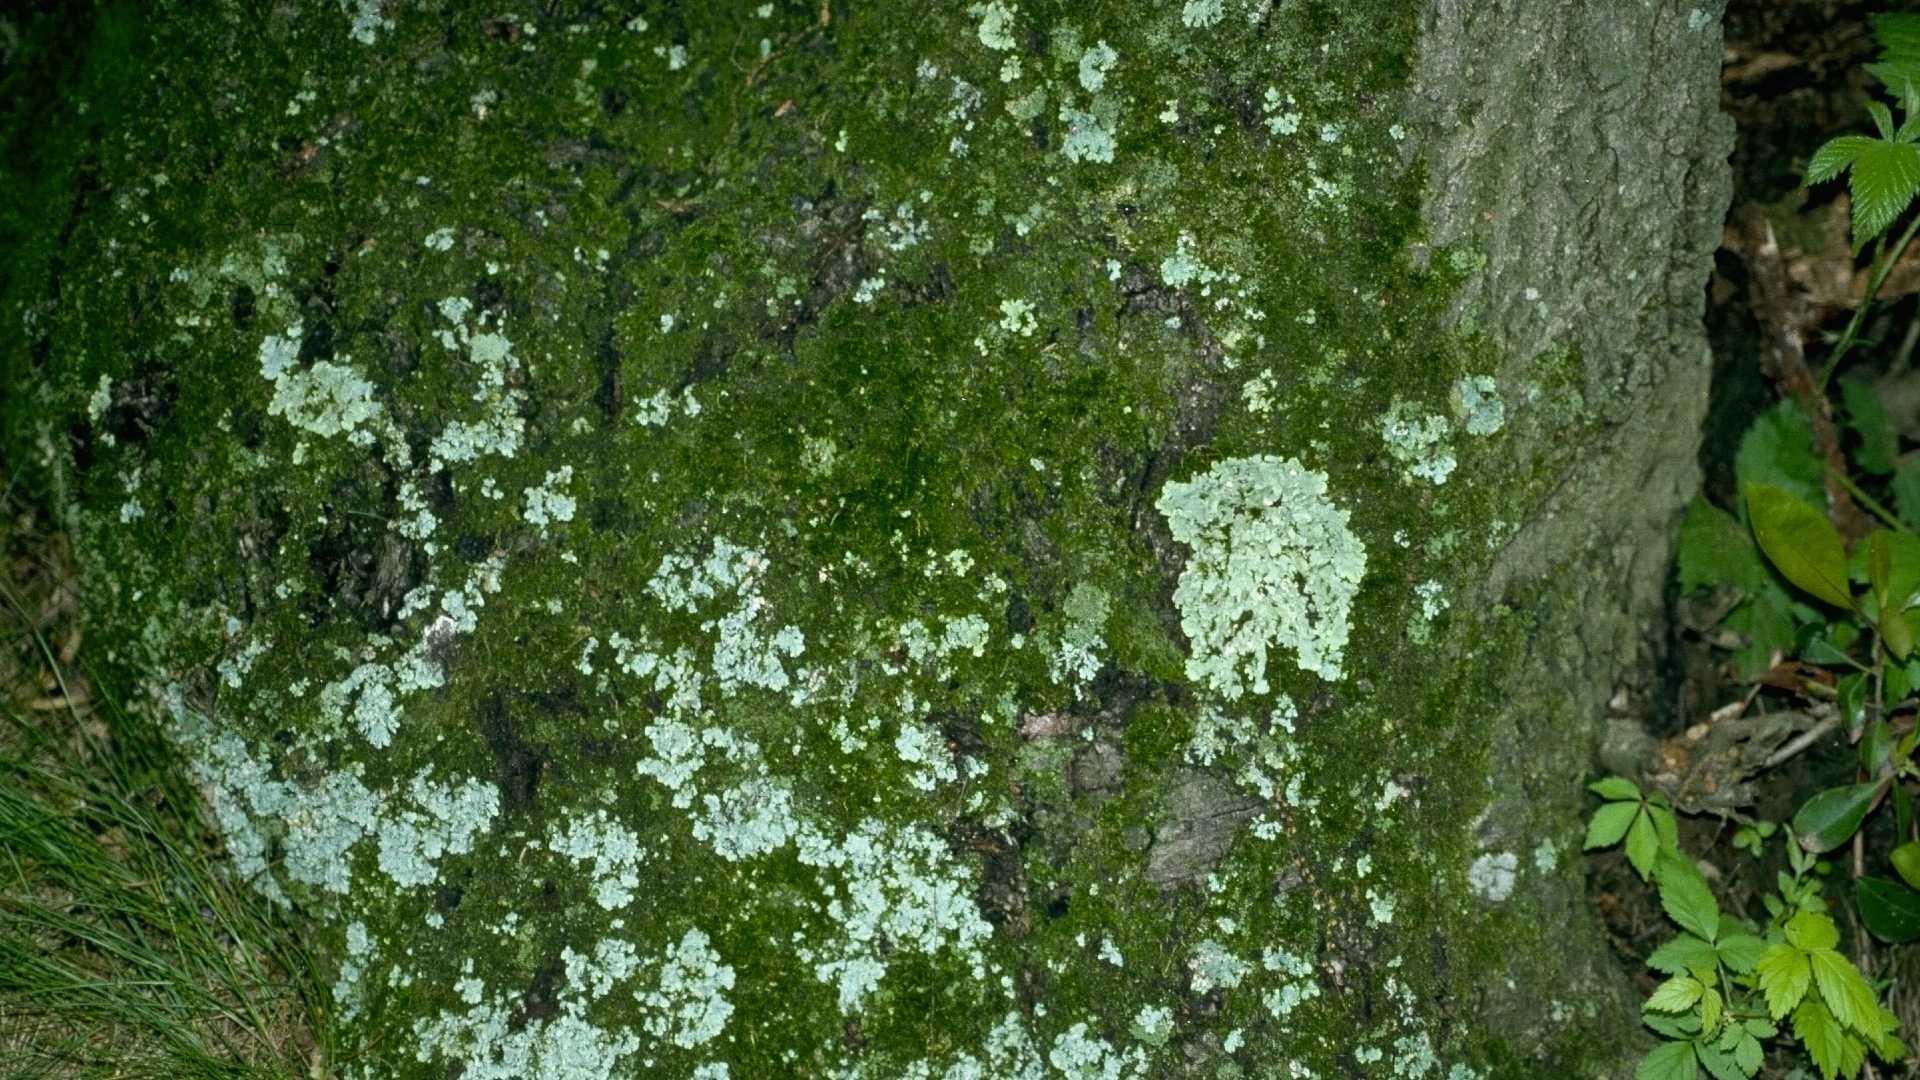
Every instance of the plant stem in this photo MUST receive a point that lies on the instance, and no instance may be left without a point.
(1882, 265)
(1879, 509)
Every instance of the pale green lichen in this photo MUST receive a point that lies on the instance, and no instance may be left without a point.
(325, 399)
(1418, 442)
(1272, 562)
(1476, 402)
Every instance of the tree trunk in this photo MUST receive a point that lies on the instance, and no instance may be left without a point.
(889, 539)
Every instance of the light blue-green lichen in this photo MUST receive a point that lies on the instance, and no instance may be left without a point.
(444, 821)
(1476, 402)
(325, 399)
(1271, 562)
(1418, 441)
(1492, 874)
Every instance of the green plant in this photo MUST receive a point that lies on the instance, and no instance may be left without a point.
(1730, 984)
(127, 945)
(1885, 170)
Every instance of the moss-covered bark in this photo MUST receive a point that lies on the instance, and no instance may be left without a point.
(887, 540)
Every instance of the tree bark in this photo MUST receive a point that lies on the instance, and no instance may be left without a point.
(888, 540)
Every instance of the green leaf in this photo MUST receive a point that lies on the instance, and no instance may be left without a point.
(1830, 818)
(1898, 33)
(1890, 909)
(1833, 158)
(1800, 542)
(1643, 844)
(1778, 449)
(1825, 1042)
(1906, 860)
(1809, 930)
(1685, 896)
(1766, 621)
(1906, 493)
(1850, 697)
(1819, 649)
(1897, 632)
(1882, 119)
(1784, 978)
(1868, 419)
(1718, 1063)
(1748, 1055)
(1669, 1061)
(1715, 549)
(1896, 75)
(1684, 1026)
(1761, 1028)
(1676, 994)
(1664, 826)
(1610, 823)
(1903, 572)
(1740, 952)
(1615, 788)
(1884, 178)
(1876, 746)
(1847, 995)
(1683, 953)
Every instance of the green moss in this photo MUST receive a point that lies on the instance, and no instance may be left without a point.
(651, 277)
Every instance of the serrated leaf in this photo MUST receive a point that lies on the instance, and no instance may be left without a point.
(1821, 1035)
(1610, 823)
(1896, 75)
(1643, 844)
(1748, 1055)
(1740, 952)
(1615, 788)
(1715, 549)
(1809, 930)
(1906, 492)
(1675, 995)
(1710, 1009)
(1868, 419)
(1830, 818)
(1889, 1048)
(1784, 978)
(1897, 32)
(1761, 1028)
(1832, 158)
(1778, 449)
(1882, 119)
(1847, 995)
(1800, 542)
(1669, 1061)
(1673, 1027)
(1685, 896)
(1883, 180)
(1718, 1063)
(1889, 909)
(1683, 953)
(1665, 827)
(1766, 621)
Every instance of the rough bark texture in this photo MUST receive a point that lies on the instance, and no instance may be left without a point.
(886, 540)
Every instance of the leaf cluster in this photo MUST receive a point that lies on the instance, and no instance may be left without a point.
(1730, 985)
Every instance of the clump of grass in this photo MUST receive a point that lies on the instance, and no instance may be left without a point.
(127, 946)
